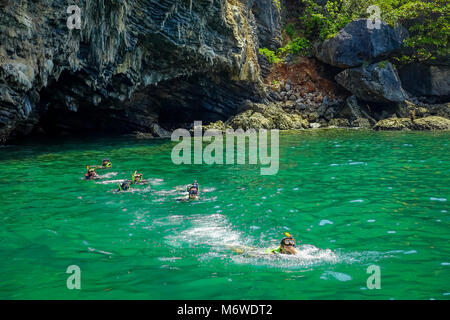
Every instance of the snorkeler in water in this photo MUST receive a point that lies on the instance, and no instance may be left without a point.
(106, 164)
(193, 190)
(91, 174)
(124, 186)
(138, 178)
(287, 245)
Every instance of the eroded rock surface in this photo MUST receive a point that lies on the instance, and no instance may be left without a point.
(132, 63)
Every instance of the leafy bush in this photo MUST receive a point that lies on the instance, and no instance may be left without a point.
(270, 55)
(298, 46)
(290, 30)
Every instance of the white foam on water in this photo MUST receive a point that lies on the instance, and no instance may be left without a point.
(110, 181)
(155, 181)
(328, 275)
(307, 256)
(171, 259)
(357, 200)
(356, 163)
(172, 220)
(438, 199)
(325, 222)
(108, 175)
(99, 251)
(212, 230)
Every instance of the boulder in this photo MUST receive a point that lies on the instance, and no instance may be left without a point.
(376, 83)
(339, 122)
(407, 109)
(430, 123)
(394, 124)
(355, 44)
(354, 109)
(361, 123)
(271, 116)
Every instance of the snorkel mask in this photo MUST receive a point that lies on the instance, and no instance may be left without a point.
(136, 177)
(288, 241)
(106, 163)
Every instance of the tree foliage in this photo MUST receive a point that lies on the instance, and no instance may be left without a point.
(428, 22)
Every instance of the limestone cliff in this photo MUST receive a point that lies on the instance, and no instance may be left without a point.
(134, 65)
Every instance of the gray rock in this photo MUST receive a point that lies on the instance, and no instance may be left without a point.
(148, 60)
(356, 43)
(339, 122)
(426, 80)
(361, 123)
(377, 83)
(354, 109)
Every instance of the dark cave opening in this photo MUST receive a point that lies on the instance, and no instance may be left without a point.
(70, 107)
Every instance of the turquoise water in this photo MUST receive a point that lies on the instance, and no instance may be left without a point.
(360, 198)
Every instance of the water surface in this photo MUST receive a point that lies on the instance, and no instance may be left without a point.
(361, 198)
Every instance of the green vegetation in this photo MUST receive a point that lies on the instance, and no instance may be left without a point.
(382, 64)
(290, 30)
(270, 55)
(428, 22)
(277, 4)
(298, 46)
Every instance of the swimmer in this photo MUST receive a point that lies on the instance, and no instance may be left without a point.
(124, 186)
(287, 246)
(193, 190)
(106, 164)
(91, 174)
(138, 178)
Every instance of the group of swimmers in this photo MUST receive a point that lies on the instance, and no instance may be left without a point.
(136, 179)
(287, 244)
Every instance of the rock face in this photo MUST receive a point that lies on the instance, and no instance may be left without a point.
(377, 83)
(355, 44)
(131, 65)
(426, 80)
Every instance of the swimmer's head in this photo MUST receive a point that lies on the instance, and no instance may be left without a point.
(287, 245)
